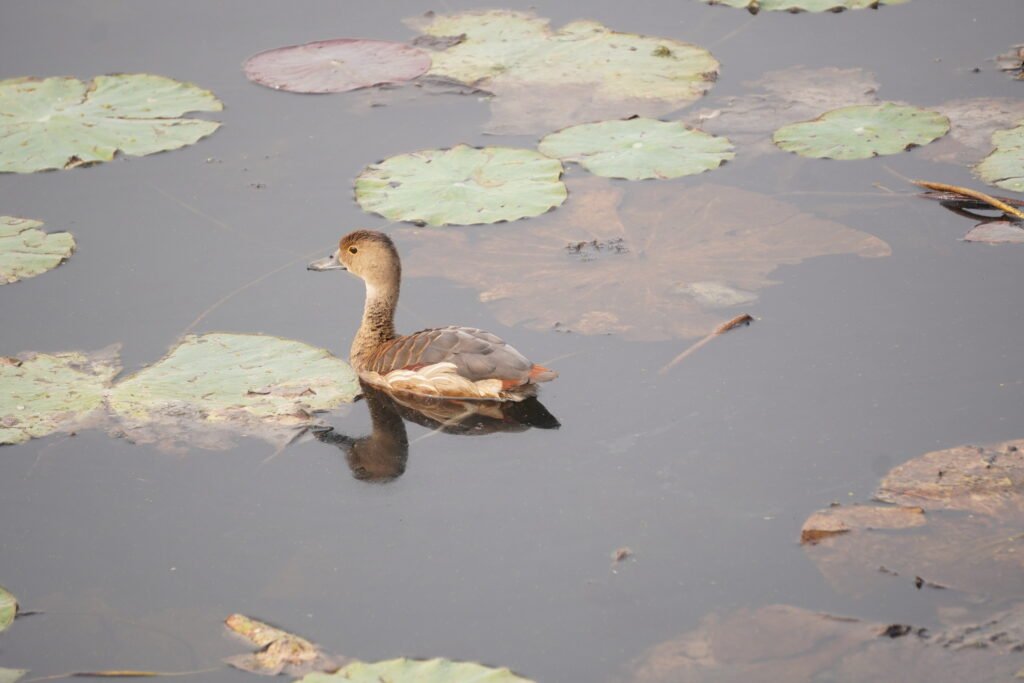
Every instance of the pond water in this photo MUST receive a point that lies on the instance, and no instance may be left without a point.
(493, 548)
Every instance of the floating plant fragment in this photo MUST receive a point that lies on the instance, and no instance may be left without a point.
(8, 609)
(45, 393)
(667, 262)
(416, 671)
(755, 6)
(1012, 61)
(843, 519)
(336, 65)
(1004, 167)
(638, 148)
(230, 383)
(26, 251)
(57, 123)
(462, 186)
(279, 651)
(544, 79)
(862, 131)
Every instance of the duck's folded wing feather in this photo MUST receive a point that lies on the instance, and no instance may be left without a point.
(477, 355)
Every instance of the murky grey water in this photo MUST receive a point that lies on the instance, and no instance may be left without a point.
(494, 548)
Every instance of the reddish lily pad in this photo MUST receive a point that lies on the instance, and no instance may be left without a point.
(337, 65)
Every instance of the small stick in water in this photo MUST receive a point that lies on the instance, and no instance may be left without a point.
(973, 194)
(744, 319)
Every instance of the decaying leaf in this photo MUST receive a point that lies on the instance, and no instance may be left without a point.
(668, 262)
(543, 79)
(27, 251)
(755, 6)
(8, 609)
(1012, 61)
(416, 671)
(279, 651)
(844, 519)
(56, 123)
(46, 393)
(1005, 165)
(337, 65)
(997, 232)
(972, 123)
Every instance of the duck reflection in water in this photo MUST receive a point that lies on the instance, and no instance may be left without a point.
(381, 456)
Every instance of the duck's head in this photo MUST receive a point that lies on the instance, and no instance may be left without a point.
(368, 254)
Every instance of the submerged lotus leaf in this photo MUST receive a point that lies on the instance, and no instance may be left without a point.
(755, 6)
(416, 671)
(8, 609)
(336, 65)
(667, 262)
(462, 186)
(249, 383)
(841, 520)
(638, 148)
(997, 232)
(972, 122)
(56, 123)
(544, 79)
(1004, 167)
(862, 131)
(45, 393)
(26, 251)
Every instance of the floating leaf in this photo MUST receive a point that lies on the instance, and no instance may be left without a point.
(62, 122)
(45, 393)
(336, 65)
(462, 186)
(8, 609)
(972, 123)
(997, 232)
(1012, 61)
(279, 651)
(862, 131)
(240, 383)
(669, 262)
(544, 79)
(638, 148)
(755, 6)
(11, 675)
(416, 671)
(1005, 165)
(26, 251)
(844, 519)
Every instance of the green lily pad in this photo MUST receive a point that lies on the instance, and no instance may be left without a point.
(862, 131)
(26, 251)
(236, 383)
(1004, 167)
(56, 123)
(638, 148)
(462, 186)
(8, 609)
(45, 393)
(544, 79)
(11, 675)
(755, 6)
(416, 671)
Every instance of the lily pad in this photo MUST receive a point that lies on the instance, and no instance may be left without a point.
(1004, 167)
(278, 651)
(544, 79)
(668, 262)
(840, 520)
(26, 251)
(237, 383)
(12, 675)
(1012, 61)
(56, 123)
(336, 65)
(973, 121)
(8, 609)
(45, 393)
(416, 671)
(462, 186)
(862, 131)
(638, 148)
(997, 232)
(755, 6)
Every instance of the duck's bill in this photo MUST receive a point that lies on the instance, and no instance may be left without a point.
(329, 263)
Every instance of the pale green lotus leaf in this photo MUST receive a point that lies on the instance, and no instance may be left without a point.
(462, 186)
(862, 131)
(8, 609)
(544, 79)
(1004, 167)
(416, 671)
(11, 675)
(57, 123)
(638, 148)
(45, 393)
(239, 383)
(755, 6)
(26, 251)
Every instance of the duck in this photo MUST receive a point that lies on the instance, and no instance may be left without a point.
(450, 362)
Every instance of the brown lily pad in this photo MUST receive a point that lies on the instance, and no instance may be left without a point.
(279, 651)
(840, 520)
(997, 232)
(339, 65)
(1012, 61)
(664, 262)
(972, 123)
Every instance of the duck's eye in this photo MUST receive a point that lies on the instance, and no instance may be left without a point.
(352, 250)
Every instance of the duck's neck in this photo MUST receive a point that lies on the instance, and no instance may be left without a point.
(378, 324)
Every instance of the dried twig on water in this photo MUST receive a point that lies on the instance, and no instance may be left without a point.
(744, 319)
(973, 194)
